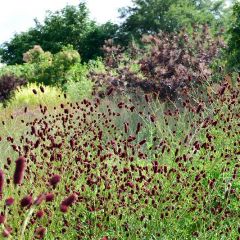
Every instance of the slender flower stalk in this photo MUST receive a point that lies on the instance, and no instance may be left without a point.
(25, 223)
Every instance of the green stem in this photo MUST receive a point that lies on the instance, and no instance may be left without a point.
(26, 222)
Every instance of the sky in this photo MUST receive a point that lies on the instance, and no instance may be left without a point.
(18, 15)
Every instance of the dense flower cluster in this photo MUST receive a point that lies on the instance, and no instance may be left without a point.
(104, 170)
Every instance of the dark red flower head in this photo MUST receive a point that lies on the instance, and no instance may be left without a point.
(63, 208)
(49, 197)
(34, 91)
(55, 179)
(69, 200)
(26, 201)
(9, 201)
(40, 232)
(39, 199)
(42, 89)
(19, 170)
(104, 238)
(2, 218)
(7, 231)
(1, 182)
(40, 214)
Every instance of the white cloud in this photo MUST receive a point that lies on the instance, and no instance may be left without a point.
(17, 16)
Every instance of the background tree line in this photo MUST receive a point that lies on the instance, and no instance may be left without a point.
(72, 25)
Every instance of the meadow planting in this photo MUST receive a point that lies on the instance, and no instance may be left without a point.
(141, 142)
(106, 169)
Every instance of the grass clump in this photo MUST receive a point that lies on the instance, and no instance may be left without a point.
(33, 95)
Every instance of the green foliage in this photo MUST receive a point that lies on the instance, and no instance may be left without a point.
(24, 96)
(51, 69)
(79, 84)
(18, 70)
(71, 25)
(12, 52)
(66, 58)
(76, 91)
(233, 53)
(94, 40)
(62, 69)
(151, 16)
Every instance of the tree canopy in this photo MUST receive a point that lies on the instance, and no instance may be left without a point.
(151, 16)
(71, 25)
(234, 39)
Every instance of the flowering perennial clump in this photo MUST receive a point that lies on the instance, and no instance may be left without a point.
(100, 169)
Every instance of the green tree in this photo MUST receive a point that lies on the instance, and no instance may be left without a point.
(51, 69)
(71, 25)
(94, 40)
(151, 16)
(12, 52)
(233, 51)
